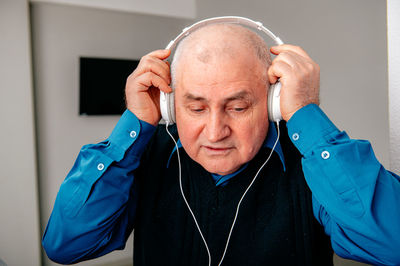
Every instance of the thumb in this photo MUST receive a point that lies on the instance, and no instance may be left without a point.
(272, 77)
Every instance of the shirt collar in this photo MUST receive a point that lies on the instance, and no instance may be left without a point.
(268, 143)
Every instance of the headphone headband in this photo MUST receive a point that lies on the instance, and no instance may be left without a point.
(167, 103)
(226, 19)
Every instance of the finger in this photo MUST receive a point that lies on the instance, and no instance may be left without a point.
(272, 77)
(149, 79)
(277, 71)
(291, 58)
(160, 54)
(288, 47)
(155, 65)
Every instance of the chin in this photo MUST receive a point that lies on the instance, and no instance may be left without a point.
(220, 169)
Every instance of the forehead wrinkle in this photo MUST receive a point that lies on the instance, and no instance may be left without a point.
(243, 94)
(193, 97)
(239, 96)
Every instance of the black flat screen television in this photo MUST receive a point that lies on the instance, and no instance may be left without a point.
(102, 85)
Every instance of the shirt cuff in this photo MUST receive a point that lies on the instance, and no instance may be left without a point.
(308, 127)
(130, 130)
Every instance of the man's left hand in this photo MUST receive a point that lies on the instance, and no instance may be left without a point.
(299, 76)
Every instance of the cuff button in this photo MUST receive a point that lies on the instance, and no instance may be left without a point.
(100, 166)
(295, 136)
(325, 155)
(132, 134)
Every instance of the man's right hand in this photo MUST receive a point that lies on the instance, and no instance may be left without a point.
(142, 91)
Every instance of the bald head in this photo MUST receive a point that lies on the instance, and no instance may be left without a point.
(216, 42)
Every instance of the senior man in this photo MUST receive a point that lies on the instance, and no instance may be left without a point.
(316, 180)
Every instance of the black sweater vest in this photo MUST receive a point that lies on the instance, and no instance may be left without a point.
(275, 225)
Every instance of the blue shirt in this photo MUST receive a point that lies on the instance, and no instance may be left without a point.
(354, 197)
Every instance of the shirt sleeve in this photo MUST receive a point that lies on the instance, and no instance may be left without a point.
(354, 197)
(95, 206)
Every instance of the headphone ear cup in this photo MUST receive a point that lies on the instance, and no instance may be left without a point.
(274, 102)
(167, 107)
(171, 107)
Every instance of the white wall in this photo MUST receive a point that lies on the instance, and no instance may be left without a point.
(346, 37)
(19, 216)
(170, 8)
(61, 34)
(393, 11)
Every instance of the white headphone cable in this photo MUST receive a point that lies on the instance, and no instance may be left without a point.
(184, 198)
(244, 194)
(240, 201)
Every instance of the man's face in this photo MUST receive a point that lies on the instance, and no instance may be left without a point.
(221, 111)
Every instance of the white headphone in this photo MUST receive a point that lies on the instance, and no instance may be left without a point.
(167, 102)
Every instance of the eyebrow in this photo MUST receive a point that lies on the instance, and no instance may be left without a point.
(237, 96)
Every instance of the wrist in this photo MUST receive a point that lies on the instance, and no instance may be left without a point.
(152, 119)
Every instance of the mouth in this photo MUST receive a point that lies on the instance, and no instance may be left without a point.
(217, 151)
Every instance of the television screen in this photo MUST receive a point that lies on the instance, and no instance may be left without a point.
(102, 85)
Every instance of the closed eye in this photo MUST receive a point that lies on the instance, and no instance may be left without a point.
(239, 109)
(196, 108)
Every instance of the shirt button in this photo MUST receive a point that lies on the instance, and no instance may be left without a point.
(295, 136)
(100, 166)
(325, 155)
(132, 134)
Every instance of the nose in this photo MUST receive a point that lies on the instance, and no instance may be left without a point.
(217, 128)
